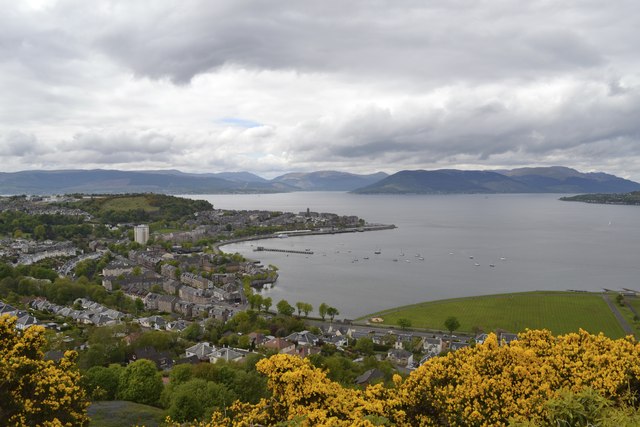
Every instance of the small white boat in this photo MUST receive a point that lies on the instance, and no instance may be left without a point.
(477, 265)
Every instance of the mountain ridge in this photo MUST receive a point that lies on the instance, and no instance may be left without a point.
(556, 179)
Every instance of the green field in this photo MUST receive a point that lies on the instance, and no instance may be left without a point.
(124, 414)
(633, 302)
(560, 312)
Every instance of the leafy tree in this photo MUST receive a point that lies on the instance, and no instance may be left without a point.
(332, 312)
(285, 308)
(255, 301)
(299, 306)
(34, 391)
(267, 303)
(39, 232)
(404, 323)
(101, 382)
(180, 374)
(192, 332)
(364, 346)
(193, 399)
(140, 382)
(306, 309)
(452, 324)
(322, 310)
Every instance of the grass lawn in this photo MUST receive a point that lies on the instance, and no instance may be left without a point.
(633, 302)
(128, 204)
(124, 414)
(560, 312)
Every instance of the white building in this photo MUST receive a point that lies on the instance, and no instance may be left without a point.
(141, 234)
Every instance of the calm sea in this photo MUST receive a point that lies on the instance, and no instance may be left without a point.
(446, 246)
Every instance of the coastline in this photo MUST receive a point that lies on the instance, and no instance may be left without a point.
(369, 227)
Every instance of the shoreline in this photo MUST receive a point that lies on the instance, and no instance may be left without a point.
(369, 227)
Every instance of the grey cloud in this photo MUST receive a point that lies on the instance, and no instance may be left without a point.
(18, 144)
(481, 133)
(111, 143)
(469, 40)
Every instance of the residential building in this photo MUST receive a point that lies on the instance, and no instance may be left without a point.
(141, 234)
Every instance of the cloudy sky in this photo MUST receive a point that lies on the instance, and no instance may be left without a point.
(279, 86)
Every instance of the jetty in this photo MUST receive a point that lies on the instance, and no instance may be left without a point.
(286, 251)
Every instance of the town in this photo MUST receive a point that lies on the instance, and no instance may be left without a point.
(160, 289)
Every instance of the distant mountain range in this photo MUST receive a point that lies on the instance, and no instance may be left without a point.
(554, 179)
(526, 180)
(175, 182)
(328, 180)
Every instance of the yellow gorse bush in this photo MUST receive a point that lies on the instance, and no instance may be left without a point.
(487, 385)
(34, 391)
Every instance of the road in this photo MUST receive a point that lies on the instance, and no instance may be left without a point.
(628, 330)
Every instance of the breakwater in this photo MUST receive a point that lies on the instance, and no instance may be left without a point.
(286, 251)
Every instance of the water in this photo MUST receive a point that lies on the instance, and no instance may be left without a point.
(535, 242)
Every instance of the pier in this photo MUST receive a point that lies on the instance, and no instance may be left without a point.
(287, 251)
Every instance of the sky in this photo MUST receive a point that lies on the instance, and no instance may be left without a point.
(279, 86)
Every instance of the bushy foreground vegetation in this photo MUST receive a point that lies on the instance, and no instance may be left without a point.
(538, 380)
(576, 379)
(34, 391)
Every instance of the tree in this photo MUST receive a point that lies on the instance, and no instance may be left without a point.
(140, 382)
(306, 309)
(364, 346)
(285, 308)
(255, 301)
(193, 398)
(299, 306)
(322, 310)
(34, 391)
(332, 312)
(451, 324)
(267, 303)
(39, 232)
(404, 323)
(101, 382)
(192, 332)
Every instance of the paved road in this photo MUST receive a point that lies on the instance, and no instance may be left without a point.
(623, 322)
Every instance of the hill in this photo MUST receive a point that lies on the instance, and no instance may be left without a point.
(114, 181)
(328, 180)
(139, 207)
(555, 179)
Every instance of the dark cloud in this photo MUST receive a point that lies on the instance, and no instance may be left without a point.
(461, 40)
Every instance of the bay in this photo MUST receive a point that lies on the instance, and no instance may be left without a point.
(445, 246)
